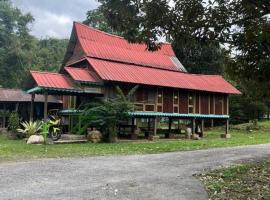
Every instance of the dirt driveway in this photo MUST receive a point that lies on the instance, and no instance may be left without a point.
(157, 176)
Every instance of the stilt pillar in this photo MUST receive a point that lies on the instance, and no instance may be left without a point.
(155, 126)
(227, 127)
(212, 123)
(193, 125)
(133, 125)
(226, 134)
(32, 107)
(202, 128)
(169, 128)
(4, 116)
(45, 106)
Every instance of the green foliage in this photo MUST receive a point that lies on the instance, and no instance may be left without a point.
(246, 181)
(96, 19)
(240, 25)
(20, 51)
(107, 114)
(49, 54)
(30, 128)
(243, 109)
(200, 58)
(13, 121)
(15, 44)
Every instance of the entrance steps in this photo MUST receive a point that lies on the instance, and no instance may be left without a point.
(71, 139)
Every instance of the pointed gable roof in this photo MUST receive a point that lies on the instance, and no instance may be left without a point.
(98, 44)
(112, 58)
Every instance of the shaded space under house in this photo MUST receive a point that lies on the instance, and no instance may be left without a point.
(19, 101)
(95, 62)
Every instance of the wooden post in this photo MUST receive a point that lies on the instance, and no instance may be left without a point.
(45, 106)
(155, 126)
(4, 116)
(202, 128)
(193, 125)
(212, 123)
(16, 107)
(227, 127)
(149, 124)
(133, 125)
(170, 128)
(32, 107)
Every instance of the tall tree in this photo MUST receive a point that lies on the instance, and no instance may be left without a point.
(20, 51)
(96, 19)
(197, 57)
(49, 54)
(15, 44)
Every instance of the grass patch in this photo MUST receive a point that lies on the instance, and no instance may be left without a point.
(11, 150)
(249, 181)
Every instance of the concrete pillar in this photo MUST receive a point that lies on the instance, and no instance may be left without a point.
(45, 106)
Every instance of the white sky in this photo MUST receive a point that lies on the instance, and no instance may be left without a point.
(54, 18)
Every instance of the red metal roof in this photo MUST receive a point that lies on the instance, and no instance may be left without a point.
(82, 74)
(52, 80)
(95, 35)
(112, 71)
(99, 44)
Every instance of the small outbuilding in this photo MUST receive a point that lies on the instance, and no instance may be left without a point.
(19, 101)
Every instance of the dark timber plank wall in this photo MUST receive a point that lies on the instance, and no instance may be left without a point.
(204, 103)
(183, 102)
(168, 100)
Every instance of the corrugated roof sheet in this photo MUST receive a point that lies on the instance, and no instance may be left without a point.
(52, 80)
(16, 95)
(113, 71)
(95, 35)
(102, 45)
(82, 74)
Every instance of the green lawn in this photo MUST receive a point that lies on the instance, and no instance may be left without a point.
(19, 150)
(249, 181)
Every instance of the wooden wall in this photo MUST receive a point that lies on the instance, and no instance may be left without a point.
(204, 102)
(183, 101)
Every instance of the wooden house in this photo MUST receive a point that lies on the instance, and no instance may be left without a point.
(95, 62)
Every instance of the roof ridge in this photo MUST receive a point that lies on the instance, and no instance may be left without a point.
(46, 72)
(110, 34)
(135, 64)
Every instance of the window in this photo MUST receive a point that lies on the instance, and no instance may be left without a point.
(175, 101)
(138, 107)
(160, 96)
(159, 100)
(150, 96)
(191, 103)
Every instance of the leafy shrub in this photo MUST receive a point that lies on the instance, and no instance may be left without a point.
(30, 128)
(13, 122)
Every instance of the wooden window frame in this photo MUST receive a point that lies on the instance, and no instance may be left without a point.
(194, 102)
(176, 93)
(159, 90)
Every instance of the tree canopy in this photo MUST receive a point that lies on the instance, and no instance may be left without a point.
(242, 26)
(20, 51)
(197, 57)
